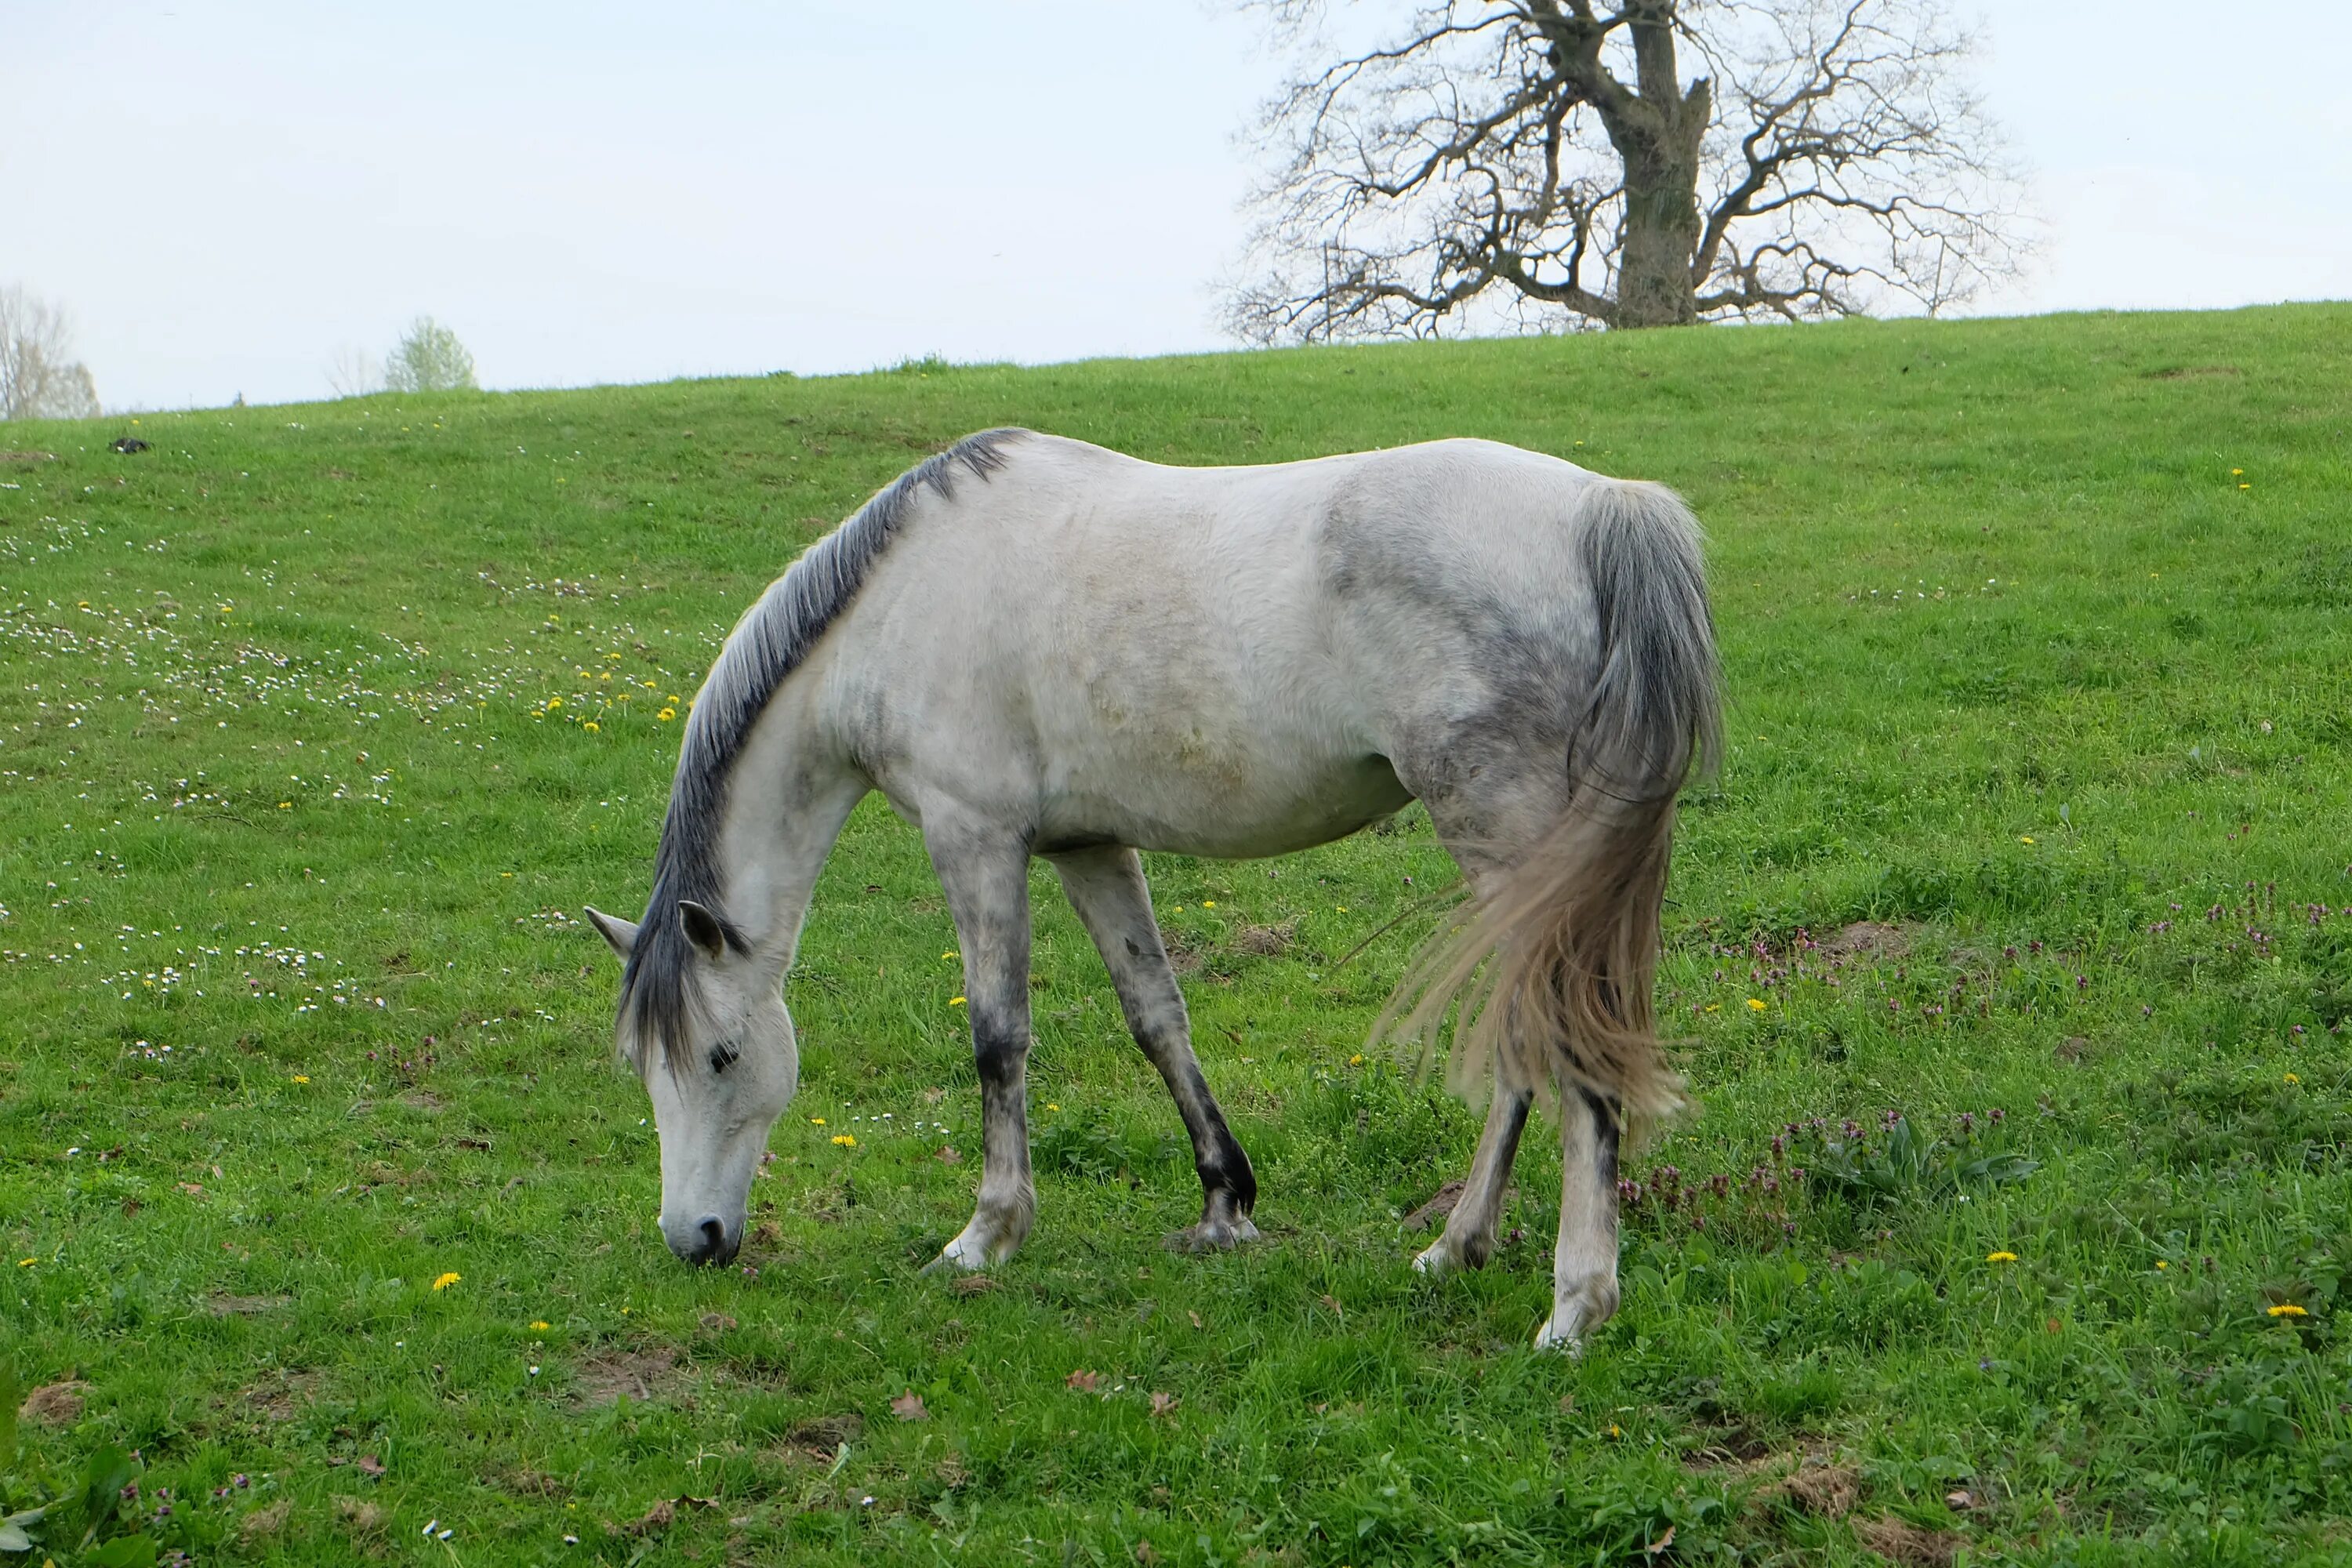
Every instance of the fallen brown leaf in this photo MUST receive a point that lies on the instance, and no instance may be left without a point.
(947, 1156)
(717, 1323)
(1196, 1319)
(1085, 1382)
(1337, 1310)
(370, 1465)
(1164, 1404)
(1661, 1542)
(908, 1406)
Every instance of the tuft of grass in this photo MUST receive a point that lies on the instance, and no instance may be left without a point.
(321, 723)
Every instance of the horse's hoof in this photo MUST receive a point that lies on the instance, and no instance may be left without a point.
(1435, 1260)
(1553, 1335)
(962, 1256)
(1212, 1236)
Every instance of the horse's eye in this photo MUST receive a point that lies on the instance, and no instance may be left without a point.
(724, 1054)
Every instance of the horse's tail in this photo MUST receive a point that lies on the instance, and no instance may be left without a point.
(1553, 960)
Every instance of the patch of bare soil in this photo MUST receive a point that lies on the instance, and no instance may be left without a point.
(1908, 1544)
(641, 1374)
(54, 1403)
(822, 1438)
(360, 1517)
(1439, 1205)
(2191, 371)
(264, 1523)
(1874, 937)
(27, 456)
(285, 1399)
(223, 1305)
(424, 1099)
(1266, 941)
(1816, 1487)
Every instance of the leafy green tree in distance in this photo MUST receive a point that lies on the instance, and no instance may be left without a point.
(429, 358)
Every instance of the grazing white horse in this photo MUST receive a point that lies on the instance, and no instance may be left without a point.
(1034, 647)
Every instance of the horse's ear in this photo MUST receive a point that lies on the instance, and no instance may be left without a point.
(703, 929)
(619, 934)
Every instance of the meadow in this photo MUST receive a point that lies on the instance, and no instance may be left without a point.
(2009, 955)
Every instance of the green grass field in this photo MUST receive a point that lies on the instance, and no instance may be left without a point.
(322, 1194)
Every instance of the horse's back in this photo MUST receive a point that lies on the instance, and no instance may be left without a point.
(1214, 660)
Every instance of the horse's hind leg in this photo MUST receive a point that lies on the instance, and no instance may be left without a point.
(985, 874)
(1584, 1265)
(1469, 1238)
(1105, 887)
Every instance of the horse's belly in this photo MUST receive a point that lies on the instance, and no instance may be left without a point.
(1171, 805)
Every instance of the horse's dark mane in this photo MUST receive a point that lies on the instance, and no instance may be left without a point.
(768, 644)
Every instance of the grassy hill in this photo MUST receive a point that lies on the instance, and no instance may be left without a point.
(320, 1186)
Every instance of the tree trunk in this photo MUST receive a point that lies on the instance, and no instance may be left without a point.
(1660, 148)
(1662, 228)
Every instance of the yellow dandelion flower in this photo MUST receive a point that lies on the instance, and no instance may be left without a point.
(1208, 903)
(2291, 1079)
(845, 1141)
(592, 727)
(666, 714)
(1754, 1005)
(302, 1077)
(2245, 487)
(2288, 1310)
(1341, 908)
(1715, 1006)
(446, 1280)
(605, 674)
(948, 954)
(538, 1325)
(2161, 1265)
(955, 1001)
(2025, 839)
(816, 1121)
(1356, 1060)
(2001, 1258)
(2235, 472)
(1615, 1430)
(285, 806)
(1051, 1106)
(556, 703)
(1176, 910)
(27, 1262)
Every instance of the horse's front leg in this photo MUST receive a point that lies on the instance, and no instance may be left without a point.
(985, 875)
(1106, 888)
(1584, 1264)
(1469, 1238)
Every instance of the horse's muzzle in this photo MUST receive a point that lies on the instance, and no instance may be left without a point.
(709, 1243)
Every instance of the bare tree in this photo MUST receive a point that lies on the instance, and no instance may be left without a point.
(429, 358)
(1546, 162)
(40, 378)
(352, 372)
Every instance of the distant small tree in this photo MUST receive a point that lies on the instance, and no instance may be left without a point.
(39, 377)
(429, 358)
(353, 372)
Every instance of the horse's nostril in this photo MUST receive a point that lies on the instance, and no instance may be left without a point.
(714, 1237)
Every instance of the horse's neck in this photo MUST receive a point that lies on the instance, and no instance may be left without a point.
(781, 823)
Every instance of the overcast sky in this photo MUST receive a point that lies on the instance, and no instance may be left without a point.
(224, 193)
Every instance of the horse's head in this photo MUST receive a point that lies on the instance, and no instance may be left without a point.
(703, 1021)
